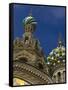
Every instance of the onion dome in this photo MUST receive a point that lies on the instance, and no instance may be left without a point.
(29, 20)
(29, 23)
(57, 55)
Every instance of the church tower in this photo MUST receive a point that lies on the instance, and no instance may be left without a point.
(56, 62)
(28, 58)
(29, 24)
(29, 49)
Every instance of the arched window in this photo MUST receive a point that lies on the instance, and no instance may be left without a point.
(23, 60)
(59, 77)
(40, 66)
(26, 38)
(28, 28)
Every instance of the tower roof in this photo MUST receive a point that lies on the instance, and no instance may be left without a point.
(29, 19)
(57, 55)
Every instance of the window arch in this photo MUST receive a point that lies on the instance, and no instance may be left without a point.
(40, 66)
(23, 59)
(59, 77)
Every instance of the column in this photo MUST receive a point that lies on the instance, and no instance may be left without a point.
(56, 78)
(62, 77)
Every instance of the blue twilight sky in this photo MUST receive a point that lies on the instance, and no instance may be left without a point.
(50, 22)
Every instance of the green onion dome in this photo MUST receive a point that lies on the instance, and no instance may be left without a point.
(57, 55)
(29, 20)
